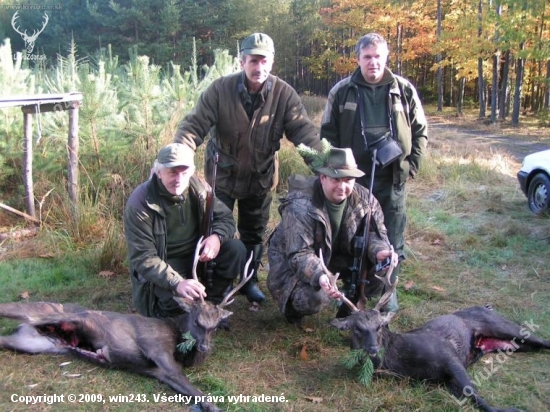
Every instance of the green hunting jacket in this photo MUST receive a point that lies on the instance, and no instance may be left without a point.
(407, 116)
(305, 228)
(247, 147)
(146, 231)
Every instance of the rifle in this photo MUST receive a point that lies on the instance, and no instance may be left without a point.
(208, 269)
(360, 244)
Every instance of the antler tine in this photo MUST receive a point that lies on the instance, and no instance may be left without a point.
(385, 298)
(35, 32)
(333, 279)
(227, 299)
(196, 261)
(13, 19)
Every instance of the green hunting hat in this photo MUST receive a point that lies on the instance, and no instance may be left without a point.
(176, 154)
(340, 163)
(258, 43)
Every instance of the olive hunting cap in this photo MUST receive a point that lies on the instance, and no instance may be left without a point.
(176, 154)
(258, 43)
(340, 163)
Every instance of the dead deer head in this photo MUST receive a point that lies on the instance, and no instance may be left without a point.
(29, 40)
(366, 325)
(202, 317)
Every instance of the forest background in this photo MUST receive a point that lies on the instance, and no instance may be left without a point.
(141, 66)
(491, 53)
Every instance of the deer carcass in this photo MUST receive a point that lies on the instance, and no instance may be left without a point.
(131, 342)
(441, 349)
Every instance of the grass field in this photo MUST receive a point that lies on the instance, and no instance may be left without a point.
(470, 241)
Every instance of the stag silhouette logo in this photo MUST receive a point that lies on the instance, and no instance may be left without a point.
(29, 39)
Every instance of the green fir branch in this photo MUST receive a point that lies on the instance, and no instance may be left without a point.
(360, 360)
(187, 344)
(312, 157)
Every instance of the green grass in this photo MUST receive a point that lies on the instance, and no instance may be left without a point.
(470, 241)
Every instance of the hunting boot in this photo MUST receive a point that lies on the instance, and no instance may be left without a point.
(251, 289)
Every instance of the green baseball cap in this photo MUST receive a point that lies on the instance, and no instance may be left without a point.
(258, 43)
(176, 154)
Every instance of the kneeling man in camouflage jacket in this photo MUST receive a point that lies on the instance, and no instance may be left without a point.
(321, 212)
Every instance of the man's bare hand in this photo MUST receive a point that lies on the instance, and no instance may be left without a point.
(190, 289)
(210, 248)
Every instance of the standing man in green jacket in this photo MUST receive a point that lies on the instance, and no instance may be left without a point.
(391, 111)
(246, 115)
(162, 223)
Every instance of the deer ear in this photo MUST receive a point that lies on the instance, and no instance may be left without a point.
(225, 314)
(340, 323)
(184, 303)
(386, 317)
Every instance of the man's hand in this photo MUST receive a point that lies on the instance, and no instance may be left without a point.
(190, 289)
(330, 289)
(383, 254)
(210, 248)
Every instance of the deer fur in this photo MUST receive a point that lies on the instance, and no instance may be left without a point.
(147, 346)
(441, 349)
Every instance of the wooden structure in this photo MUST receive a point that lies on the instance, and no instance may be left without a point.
(35, 105)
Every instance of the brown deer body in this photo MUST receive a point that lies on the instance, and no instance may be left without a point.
(131, 342)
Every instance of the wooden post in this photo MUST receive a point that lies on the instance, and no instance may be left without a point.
(27, 164)
(72, 157)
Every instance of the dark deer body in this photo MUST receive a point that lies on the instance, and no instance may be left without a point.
(443, 348)
(131, 342)
(146, 346)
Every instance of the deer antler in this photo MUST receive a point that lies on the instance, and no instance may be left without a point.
(13, 19)
(196, 262)
(35, 33)
(226, 300)
(332, 279)
(385, 298)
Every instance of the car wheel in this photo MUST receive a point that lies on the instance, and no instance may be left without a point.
(538, 194)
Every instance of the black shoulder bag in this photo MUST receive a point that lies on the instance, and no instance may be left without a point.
(387, 149)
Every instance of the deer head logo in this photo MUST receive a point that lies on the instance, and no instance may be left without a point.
(29, 40)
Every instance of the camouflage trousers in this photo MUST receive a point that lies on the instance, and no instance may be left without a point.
(305, 300)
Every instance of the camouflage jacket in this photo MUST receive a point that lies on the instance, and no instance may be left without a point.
(305, 228)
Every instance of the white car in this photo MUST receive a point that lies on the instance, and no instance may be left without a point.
(534, 180)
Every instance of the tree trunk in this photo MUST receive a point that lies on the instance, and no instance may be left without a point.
(519, 85)
(547, 87)
(504, 91)
(480, 82)
(438, 60)
(460, 97)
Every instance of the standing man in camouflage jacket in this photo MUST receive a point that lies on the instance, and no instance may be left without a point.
(322, 212)
(246, 115)
(391, 110)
